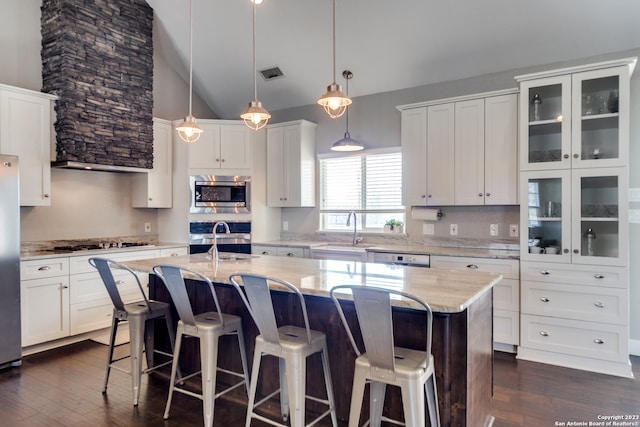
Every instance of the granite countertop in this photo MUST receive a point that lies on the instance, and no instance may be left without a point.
(446, 291)
(477, 252)
(29, 253)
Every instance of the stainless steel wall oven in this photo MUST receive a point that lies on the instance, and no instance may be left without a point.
(238, 240)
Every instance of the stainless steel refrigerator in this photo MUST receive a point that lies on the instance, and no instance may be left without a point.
(10, 345)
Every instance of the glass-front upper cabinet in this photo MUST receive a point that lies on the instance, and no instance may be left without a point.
(601, 115)
(547, 198)
(600, 227)
(545, 118)
(575, 118)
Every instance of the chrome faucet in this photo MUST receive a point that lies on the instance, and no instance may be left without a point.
(213, 251)
(355, 237)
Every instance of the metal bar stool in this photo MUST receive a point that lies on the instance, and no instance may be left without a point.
(141, 316)
(208, 327)
(383, 363)
(291, 344)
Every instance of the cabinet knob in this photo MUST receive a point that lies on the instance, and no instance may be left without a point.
(429, 196)
(44, 268)
(488, 194)
(545, 272)
(289, 254)
(265, 253)
(544, 333)
(598, 276)
(566, 156)
(64, 287)
(423, 196)
(46, 196)
(480, 194)
(150, 199)
(217, 160)
(472, 266)
(576, 156)
(174, 254)
(566, 251)
(575, 251)
(598, 341)
(119, 282)
(544, 299)
(599, 304)
(223, 160)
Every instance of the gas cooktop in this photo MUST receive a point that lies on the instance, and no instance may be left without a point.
(94, 246)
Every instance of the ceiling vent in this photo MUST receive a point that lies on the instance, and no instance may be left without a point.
(271, 73)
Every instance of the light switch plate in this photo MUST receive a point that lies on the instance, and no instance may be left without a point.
(513, 230)
(493, 229)
(634, 194)
(428, 229)
(147, 227)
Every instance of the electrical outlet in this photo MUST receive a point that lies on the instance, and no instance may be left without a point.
(513, 230)
(453, 229)
(285, 225)
(428, 229)
(493, 229)
(147, 227)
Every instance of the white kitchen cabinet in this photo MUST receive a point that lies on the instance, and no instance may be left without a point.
(26, 131)
(224, 144)
(574, 202)
(288, 251)
(291, 164)
(44, 300)
(155, 188)
(582, 120)
(170, 252)
(506, 294)
(461, 151)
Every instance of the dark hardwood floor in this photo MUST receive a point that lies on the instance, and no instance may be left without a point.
(62, 387)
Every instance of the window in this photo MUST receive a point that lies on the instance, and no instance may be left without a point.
(369, 184)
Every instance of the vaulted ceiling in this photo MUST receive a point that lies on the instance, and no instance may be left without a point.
(388, 45)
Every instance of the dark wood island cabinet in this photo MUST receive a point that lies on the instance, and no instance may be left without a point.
(462, 330)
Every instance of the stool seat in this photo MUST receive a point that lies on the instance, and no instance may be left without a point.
(141, 316)
(208, 327)
(291, 345)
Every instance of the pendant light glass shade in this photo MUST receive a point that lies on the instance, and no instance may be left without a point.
(188, 130)
(255, 117)
(334, 101)
(346, 143)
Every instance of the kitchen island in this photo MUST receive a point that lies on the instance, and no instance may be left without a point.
(462, 329)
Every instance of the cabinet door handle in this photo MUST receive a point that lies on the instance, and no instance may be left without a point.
(544, 299)
(598, 341)
(566, 156)
(472, 266)
(544, 333)
(119, 282)
(289, 253)
(44, 268)
(265, 253)
(599, 304)
(174, 254)
(545, 272)
(598, 276)
(64, 287)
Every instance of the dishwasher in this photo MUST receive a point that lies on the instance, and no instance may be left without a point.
(397, 258)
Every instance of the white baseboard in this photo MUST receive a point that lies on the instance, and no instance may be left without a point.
(634, 347)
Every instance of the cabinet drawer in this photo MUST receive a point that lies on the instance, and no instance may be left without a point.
(263, 250)
(166, 252)
(506, 327)
(290, 252)
(88, 287)
(87, 317)
(574, 337)
(606, 305)
(506, 295)
(38, 269)
(80, 264)
(616, 277)
(509, 268)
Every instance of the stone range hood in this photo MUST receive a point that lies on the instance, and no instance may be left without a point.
(97, 56)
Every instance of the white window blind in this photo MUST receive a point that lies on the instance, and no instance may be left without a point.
(369, 184)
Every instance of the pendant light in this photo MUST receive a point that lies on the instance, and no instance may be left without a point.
(346, 143)
(188, 130)
(334, 101)
(255, 117)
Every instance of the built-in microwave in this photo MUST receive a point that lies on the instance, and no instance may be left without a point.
(220, 194)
